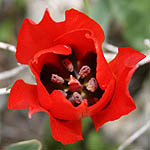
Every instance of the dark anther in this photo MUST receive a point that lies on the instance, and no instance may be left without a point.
(76, 99)
(63, 92)
(84, 71)
(57, 79)
(68, 65)
(92, 85)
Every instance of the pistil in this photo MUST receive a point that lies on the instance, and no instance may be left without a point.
(74, 84)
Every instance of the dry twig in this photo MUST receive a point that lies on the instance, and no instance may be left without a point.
(134, 136)
(8, 47)
(111, 48)
(4, 91)
(12, 72)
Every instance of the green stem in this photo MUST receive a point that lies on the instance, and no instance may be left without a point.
(86, 7)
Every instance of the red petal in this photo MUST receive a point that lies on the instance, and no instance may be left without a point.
(79, 42)
(77, 20)
(24, 96)
(126, 57)
(66, 132)
(68, 111)
(21, 94)
(34, 37)
(103, 72)
(121, 104)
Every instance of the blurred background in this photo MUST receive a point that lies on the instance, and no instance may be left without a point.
(125, 23)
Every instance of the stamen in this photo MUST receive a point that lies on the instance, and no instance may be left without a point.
(74, 84)
(76, 99)
(84, 71)
(63, 92)
(68, 65)
(92, 85)
(57, 79)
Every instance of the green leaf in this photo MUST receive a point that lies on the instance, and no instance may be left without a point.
(26, 145)
(95, 141)
(86, 6)
(6, 30)
(133, 15)
(86, 123)
(100, 12)
(1, 2)
(19, 4)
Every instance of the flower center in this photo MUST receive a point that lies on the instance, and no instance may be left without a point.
(80, 84)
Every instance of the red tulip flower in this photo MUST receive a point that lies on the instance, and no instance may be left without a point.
(73, 78)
